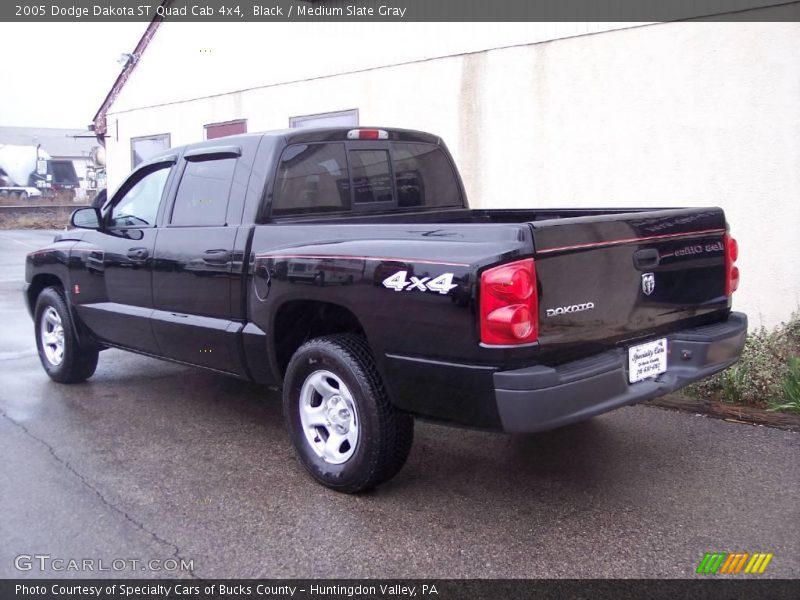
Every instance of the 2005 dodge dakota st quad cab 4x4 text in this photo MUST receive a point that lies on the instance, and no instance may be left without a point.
(345, 266)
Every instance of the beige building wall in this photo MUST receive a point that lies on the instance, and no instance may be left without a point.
(674, 114)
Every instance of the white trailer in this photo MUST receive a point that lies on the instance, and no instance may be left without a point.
(23, 171)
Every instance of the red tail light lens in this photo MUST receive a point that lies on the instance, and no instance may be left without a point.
(732, 248)
(510, 282)
(731, 270)
(509, 305)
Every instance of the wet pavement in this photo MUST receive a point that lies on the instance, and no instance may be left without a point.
(155, 461)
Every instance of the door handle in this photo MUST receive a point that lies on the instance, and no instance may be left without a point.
(645, 259)
(138, 253)
(217, 256)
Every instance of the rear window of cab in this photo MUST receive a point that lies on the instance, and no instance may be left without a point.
(328, 177)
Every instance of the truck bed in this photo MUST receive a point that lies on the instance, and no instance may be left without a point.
(592, 259)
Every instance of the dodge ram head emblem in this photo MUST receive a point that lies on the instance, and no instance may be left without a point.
(648, 283)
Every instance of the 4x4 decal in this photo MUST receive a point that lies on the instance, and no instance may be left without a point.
(400, 283)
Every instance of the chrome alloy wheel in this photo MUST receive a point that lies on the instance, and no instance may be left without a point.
(51, 332)
(329, 417)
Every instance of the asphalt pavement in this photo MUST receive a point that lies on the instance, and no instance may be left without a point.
(155, 461)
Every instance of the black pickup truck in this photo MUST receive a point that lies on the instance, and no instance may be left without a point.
(344, 266)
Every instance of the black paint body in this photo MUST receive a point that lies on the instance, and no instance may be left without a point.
(229, 297)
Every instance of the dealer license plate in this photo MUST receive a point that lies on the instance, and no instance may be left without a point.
(647, 360)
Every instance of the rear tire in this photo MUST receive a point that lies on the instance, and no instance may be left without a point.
(64, 359)
(346, 432)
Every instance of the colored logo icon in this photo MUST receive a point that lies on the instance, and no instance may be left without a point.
(721, 563)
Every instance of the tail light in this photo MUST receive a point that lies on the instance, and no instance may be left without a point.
(509, 305)
(731, 270)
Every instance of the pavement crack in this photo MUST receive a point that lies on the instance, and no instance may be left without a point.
(138, 524)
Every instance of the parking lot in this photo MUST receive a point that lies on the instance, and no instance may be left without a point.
(152, 460)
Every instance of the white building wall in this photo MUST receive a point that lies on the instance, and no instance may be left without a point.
(676, 114)
(215, 58)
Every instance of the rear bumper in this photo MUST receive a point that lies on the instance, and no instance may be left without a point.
(539, 397)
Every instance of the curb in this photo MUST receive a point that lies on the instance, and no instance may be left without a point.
(734, 413)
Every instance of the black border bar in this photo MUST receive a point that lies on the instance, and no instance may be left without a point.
(708, 587)
(277, 11)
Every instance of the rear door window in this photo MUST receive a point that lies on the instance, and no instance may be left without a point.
(312, 178)
(202, 198)
(424, 176)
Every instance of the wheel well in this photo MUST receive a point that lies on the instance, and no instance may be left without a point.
(298, 321)
(38, 283)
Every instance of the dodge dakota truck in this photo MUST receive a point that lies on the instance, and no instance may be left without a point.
(345, 267)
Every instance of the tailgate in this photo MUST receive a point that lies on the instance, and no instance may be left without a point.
(607, 279)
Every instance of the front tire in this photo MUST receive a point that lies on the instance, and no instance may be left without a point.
(64, 359)
(346, 432)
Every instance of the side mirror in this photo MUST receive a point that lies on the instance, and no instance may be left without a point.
(85, 218)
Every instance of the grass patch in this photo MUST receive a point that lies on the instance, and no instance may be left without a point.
(766, 376)
(55, 219)
(58, 198)
(791, 388)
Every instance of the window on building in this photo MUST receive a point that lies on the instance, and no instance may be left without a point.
(311, 178)
(202, 198)
(146, 147)
(139, 206)
(218, 130)
(424, 176)
(342, 118)
(372, 181)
